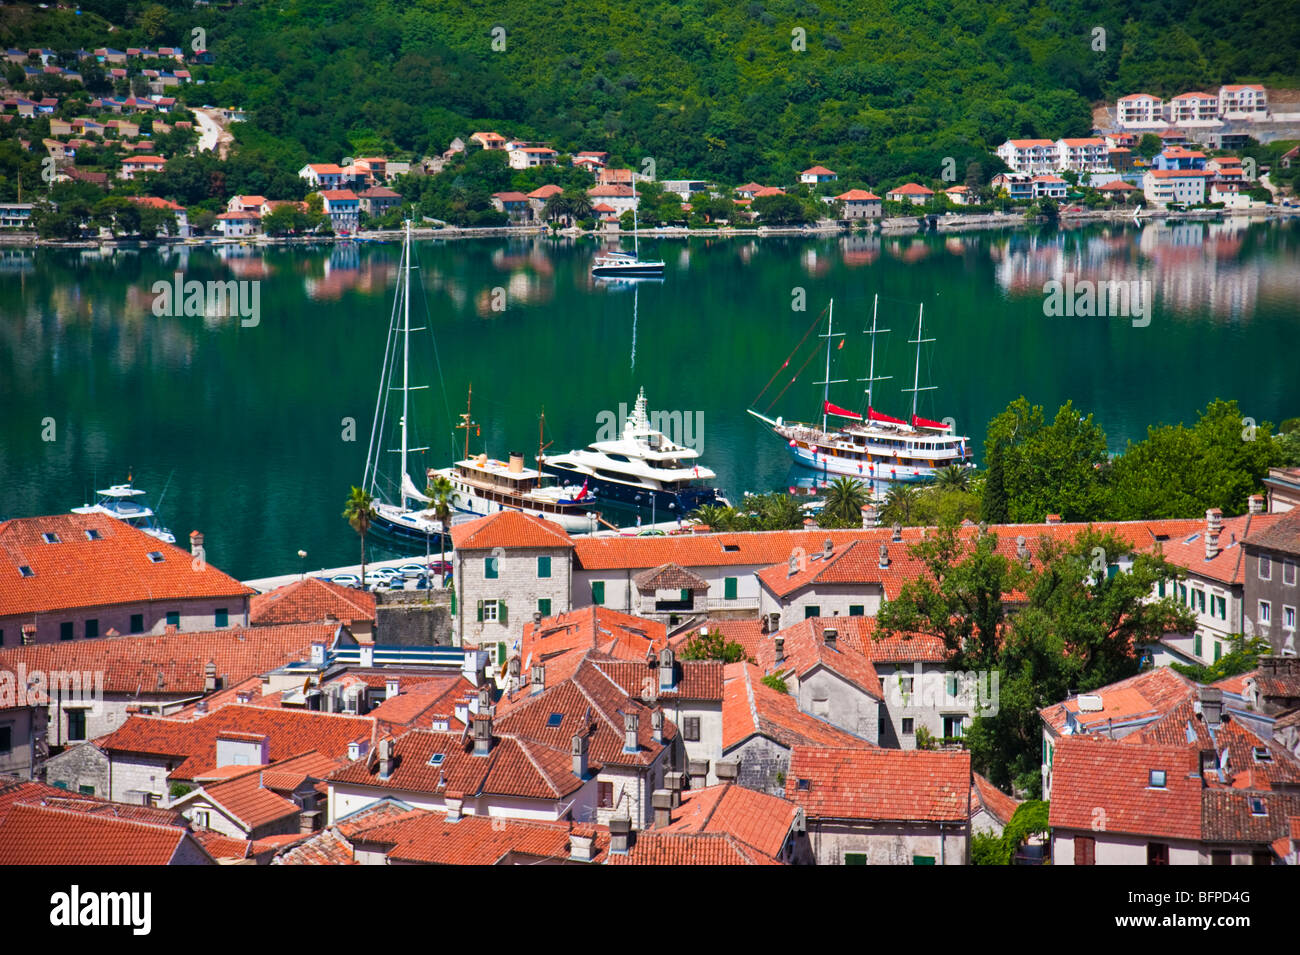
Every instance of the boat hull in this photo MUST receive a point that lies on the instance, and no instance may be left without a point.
(628, 271)
(882, 470)
(639, 498)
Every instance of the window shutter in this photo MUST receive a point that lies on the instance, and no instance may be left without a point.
(1085, 850)
(729, 589)
(480, 611)
(502, 617)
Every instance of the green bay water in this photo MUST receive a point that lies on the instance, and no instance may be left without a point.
(247, 427)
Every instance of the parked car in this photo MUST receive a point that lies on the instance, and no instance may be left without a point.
(347, 580)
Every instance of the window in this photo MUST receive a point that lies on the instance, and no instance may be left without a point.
(909, 726)
(92, 629)
(1085, 850)
(598, 592)
(173, 618)
(857, 610)
(1265, 568)
(543, 567)
(1218, 650)
(221, 618)
(855, 858)
(1220, 857)
(1111, 570)
(6, 739)
(1288, 618)
(1265, 613)
(76, 725)
(437, 758)
(65, 630)
(1200, 600)
(812, 610)
(1196, 645)
(1288, 573)
(1156, 779)
(904, 680)
(1182, 593)
(729, 588)
(92, 535)
(691, 728)
(490, 611)
(1219, 607)
(86, 790)
(1157, 853)
(25, 571)
(804, 785)
(155, 556)
(1160, 588)
(952, 727)
(1261, 857)
(50, 538)
(605, 795)
(490, 568)
(554, 720)
(137, 623)
(544, 606)
(1257, 807)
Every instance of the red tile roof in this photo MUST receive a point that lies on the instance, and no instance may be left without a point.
(683, 848)
(983, 794)
(817, 171)
(1142, 697)
(858, 195)
(696, 680)
(545, 192)
(591, 628)
(115, 569)
(805, 650)
(750, 708)
(1097, 782)
(311, 600)
(911, 189)
(880, 784)
(508, 529)
(416, 704)
(1283, 534)
(41, 835)
(324, 848)
(747, 633)
(428, 838)
(756, 819)
(173, 663)
(1183, 726)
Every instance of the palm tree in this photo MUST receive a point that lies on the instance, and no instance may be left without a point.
(442, 495)
(900, 502)
(579, 204)
(780, 512)
(557, 206)
(953, 478)
(845, 499)
(714, 515)
(357, 511)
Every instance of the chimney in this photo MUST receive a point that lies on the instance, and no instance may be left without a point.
(778, 648)
(884, 556)
(455, 802)
(318, 654)
(662, 800)
(357, 749)
(391, 687)
(579, 751)
(631, 728)
(485, 700)
(513, 666)
(196, 543)
(367, 655)
(657, 724)
(727, 770)
(244, 696)
(1211, 705)
(1256, 504)
(793, 567)
(1053, 518)
(482, 733)
(675, 782)
(870, 516)
(828, 636)
(308, 821)
(698, 770)
(667, 669)
(898, 532)
(1022, 548)
(210, 677)
(620, 835)
(580, 846)
(539, 678)
(828, 548)
(386, 759)
(537, 618)
(201, 707)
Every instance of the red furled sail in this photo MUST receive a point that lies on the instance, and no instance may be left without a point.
(841, 412)
(874, 415)
(919, 422)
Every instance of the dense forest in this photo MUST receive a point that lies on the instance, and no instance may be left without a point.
(730, 91)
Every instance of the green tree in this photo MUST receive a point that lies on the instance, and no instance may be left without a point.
(1052, 468)
(443, 496)
(993, 504)
(845, 499)
(712, 645)
(776, 683)
(779, 210)
(900, 504)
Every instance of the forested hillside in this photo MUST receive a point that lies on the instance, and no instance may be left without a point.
(705, 87)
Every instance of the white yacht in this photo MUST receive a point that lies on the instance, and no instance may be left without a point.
(485, 485)
(640, 469)
(119, 501)
(624, 265)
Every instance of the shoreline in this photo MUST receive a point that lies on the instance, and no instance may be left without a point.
(895, 226)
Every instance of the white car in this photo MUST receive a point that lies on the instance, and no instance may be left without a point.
(346, 580)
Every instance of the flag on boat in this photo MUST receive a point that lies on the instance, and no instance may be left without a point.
(840, 412)
(874, 415)
(583, 493)
(919, 422)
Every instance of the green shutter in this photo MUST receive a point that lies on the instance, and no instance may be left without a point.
(543, 567)
(490, 568)
(812, 610)
(1196, 644)
(544, 606)
(598, 592)
(503, 617)
(480, 611)
(1218, 650)
(1162, 588)
(729, 588)
(501, 654)
(922, 860)
(686, 595)
(857, 610)
(222, 618)
(855, 858)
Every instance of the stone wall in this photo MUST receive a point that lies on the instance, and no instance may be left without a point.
(413, 619)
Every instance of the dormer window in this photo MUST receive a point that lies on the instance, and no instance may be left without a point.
(804, 785)
(1257, 807)
(155, 556)
(50, 538)
(1262, 755)
(554, 720)
(25, 571)
(1156, 779)
(437, 758)
(93, 535)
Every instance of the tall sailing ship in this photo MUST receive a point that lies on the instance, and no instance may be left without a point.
(875, 446)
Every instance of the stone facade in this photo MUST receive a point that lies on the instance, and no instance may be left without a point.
(406, 619)
(22, 740)
(83, 768)
(828, 696)
(763, 763)
(491, 584)
(889, 843)
(192, 615)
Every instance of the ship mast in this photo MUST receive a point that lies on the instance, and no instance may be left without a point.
(406, 360)
(830, 333)
(466, 422)
(871, 373)
(916, 375)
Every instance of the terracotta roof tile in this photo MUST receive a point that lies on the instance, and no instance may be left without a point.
(750, 708)
(983, 794)
(617, 634)
(324, 848)
(880, 784)
(1142, 697)
(310, 601)
(686, 848)
(41, 835)
(756, 819)
(1283, 534)
(508, 529)
(428, 838)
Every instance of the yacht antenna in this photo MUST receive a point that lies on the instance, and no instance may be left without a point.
(916, 375)
(830, 333)
(466, 421)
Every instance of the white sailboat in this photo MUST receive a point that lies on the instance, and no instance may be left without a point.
(622, 265)
(875, 446)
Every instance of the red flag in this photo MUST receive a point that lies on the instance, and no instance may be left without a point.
(840, 345)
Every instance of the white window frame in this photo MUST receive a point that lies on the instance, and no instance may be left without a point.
(1265, 613)
(490, 608)
(1288, 618)
(1288, 571)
